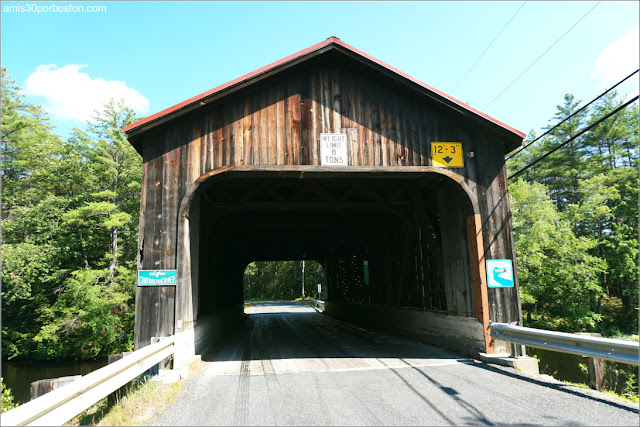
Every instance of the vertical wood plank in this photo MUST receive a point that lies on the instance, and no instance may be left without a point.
(392, 134)
(315, 111)
(296, 121)
(384, 132)
(238, 134)
(402, 140)
(264, 131)
(167, 192)
(207, 130)
(255, 129)
(272, 126)
(336, 101)
(202, 136)
(288, 131)
(426, 136)
(421, 136)
(246, 132)
(280, 124)
(346, 99)
(152, 197)
(359, 111)
(417, 126)
(306, 155)
(368, 124)
(230, 155)
(327, 115)
(224, 147)
(143, 208)
(323, 119)
(219, 137)
(407, 126)
(375, 111)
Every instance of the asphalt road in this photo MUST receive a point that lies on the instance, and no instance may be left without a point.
(289, 365)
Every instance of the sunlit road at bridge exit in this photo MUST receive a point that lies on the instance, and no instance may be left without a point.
(287, 364)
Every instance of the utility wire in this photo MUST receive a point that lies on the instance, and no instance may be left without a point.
(524, 147)
(485, 51)
(544, 53)
(573, 137)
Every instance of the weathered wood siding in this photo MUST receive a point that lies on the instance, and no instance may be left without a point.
(278, 121)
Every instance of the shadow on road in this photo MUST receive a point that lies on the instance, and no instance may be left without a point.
(293, 330)
(295, 337)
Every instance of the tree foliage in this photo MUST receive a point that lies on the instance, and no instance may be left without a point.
(558, 277)
(70, 213)
(575, 217)
(282, 280)
(7, 397)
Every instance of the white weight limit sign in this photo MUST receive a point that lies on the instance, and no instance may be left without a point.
(333, 149)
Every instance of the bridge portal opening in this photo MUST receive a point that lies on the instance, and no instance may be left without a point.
(389, 244)
(283, 280)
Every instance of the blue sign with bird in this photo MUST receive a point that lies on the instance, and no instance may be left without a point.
(499, 273)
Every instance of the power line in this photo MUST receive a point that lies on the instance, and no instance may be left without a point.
(573, 137)
(485, 51)
(544, 53)
(524, 147)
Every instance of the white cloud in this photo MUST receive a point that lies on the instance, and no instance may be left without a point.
(70, 94)
(617, 60)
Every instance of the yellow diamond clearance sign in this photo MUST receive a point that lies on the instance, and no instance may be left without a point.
(447, 154)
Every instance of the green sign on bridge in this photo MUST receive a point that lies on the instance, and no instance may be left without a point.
(157, 277)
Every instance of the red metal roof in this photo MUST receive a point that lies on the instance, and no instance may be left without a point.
(300, 54)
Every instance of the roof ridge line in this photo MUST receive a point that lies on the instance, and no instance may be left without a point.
(327, 42)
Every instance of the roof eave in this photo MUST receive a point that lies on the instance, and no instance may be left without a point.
(227, 88)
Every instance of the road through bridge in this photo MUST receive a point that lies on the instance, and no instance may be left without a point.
(289, 365)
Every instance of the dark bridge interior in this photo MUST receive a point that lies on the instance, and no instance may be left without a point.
(407, 230)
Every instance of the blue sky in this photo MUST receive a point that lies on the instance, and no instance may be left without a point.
(156, 54)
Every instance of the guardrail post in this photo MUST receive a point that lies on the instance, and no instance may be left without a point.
(155, 369)
(596, 373)
(516, 350)
(595, 366)
(122, 391)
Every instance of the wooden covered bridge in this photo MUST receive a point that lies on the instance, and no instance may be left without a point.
(332, 155)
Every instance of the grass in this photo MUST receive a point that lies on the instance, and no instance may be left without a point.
(143, 401)
(632, 399)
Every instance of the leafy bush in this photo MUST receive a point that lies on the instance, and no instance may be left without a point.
(7, 398)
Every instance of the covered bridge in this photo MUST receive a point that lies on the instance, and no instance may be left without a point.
(332, 155)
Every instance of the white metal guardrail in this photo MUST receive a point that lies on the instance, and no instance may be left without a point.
(601, 348)
(61, 405)
(319, 304)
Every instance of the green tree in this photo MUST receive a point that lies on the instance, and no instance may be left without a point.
(593, 182)
(70, 211)
(561, 171)
(94, 313)
(32, 260)
(273, 280)
(558, 277)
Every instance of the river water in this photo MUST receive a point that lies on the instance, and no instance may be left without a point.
(18, 376)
